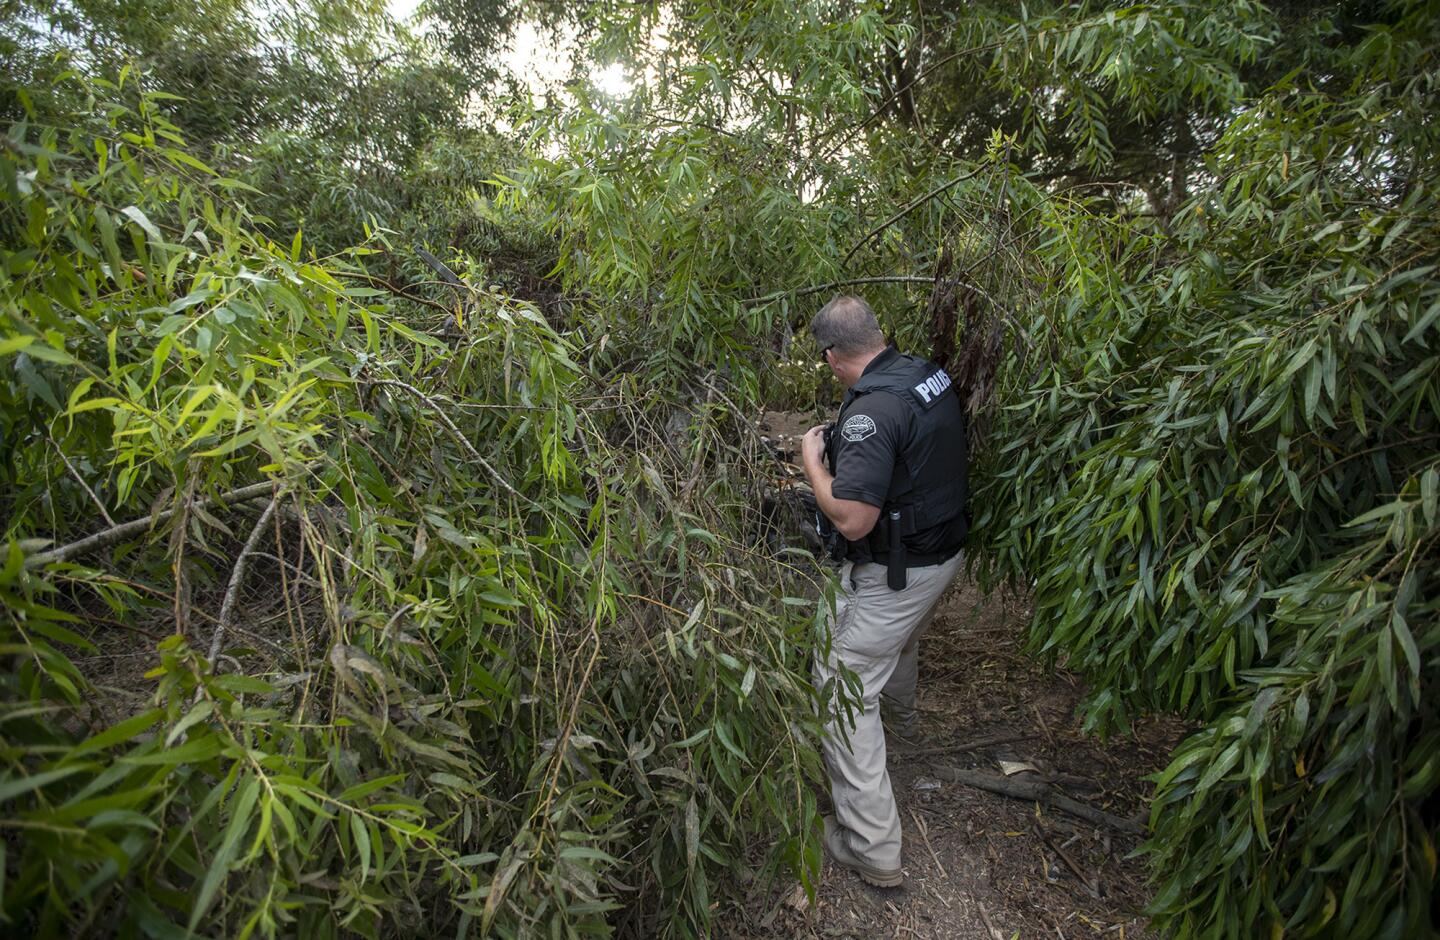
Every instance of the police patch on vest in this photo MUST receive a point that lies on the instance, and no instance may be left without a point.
(857, 428)
(933, 387)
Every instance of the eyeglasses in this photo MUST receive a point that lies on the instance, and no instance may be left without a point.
(823, 360)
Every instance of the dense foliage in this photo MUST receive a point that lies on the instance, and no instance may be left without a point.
(1226, 473)
(497, 644)
(521, 667)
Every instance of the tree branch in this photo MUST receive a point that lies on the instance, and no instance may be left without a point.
(237, 576)
(464, 441)
(1039, 792)
(81, 480)
(884, 105)
(815, 289)
(910, 207)
(127, 529)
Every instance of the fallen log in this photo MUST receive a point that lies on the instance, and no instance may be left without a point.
(1039, 792)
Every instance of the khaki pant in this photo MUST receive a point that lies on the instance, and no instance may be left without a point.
(876, 634)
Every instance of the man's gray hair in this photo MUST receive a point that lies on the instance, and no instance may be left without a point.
(847, 325)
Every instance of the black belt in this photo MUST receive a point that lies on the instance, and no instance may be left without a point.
(900, 559)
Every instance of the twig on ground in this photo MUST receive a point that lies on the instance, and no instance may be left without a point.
(995, 933)
(1040, 792)
(237, 577)
(1043, 727)
(1089, 881)
(925, 835)
(992, 740)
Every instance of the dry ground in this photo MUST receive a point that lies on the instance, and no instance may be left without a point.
(977, 864)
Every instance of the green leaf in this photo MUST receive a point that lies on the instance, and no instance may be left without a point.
(11, 787)
(362, 844)
(367, 787)
(14, 344)
(587, 853)
(198, 713)
(240, 819)
(722, 732)
(50, 354)
(134, 214)
(1219, 767)
(117, 733)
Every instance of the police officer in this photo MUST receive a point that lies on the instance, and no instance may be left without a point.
(892, 481)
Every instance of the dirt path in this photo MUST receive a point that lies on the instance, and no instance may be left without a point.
(977, 864)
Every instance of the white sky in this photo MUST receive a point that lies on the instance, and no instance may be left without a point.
(533, 57)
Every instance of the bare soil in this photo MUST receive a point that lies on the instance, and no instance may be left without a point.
(977, 864)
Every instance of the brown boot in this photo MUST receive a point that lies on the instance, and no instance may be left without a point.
(841, 855)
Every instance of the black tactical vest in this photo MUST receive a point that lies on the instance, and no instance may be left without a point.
(929, 484)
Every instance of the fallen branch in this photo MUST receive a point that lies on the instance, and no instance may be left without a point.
(975, 745)
(1090, 881)
(995, 933)
(136, 526)
(1039, 792)
(237, 577)
(925, 834)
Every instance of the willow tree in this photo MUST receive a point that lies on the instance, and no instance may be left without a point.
(1208, 386)
(1206, 390)
(439, 631)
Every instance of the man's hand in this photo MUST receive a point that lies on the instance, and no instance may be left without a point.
(812, 446)
(853, 518)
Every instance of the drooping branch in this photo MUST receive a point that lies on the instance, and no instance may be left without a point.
(134, 527)
(461, 438)
(104, 513)
(880, 109)
(849, 282)
(909, 207)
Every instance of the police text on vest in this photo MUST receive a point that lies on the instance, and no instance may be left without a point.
(933, 386)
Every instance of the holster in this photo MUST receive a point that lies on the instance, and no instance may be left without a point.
(895, 569)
